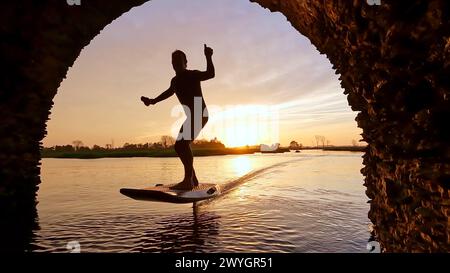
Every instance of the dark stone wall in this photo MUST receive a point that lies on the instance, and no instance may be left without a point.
(40, 40)
(394, 62)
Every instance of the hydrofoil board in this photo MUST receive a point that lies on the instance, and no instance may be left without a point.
(163, 193)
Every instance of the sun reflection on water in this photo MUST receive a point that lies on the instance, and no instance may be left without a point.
(242, 165)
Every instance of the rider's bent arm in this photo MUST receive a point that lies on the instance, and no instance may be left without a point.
(166, 94)
(210, 71)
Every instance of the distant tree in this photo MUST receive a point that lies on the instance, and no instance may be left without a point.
(294, 145)
(157, 145)
(203, 143)
(132, 146)
(83, 149)
(167, 141)
(64, 148)
(48, 149)
(320, 139)
(77, 144)
(96, 148)
(129, 147)
(317, 140)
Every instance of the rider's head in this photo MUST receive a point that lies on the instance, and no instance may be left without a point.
(179, 61)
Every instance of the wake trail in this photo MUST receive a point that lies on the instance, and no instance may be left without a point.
(229, 186)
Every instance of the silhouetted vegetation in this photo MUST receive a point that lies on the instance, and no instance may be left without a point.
(345, 148)
(294, 145)
(322, 143)
(164, 148)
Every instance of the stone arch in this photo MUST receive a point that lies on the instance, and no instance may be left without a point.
(394, 62)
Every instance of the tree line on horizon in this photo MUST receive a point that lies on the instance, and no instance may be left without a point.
(166, 142)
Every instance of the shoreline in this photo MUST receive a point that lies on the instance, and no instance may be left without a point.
(145, 153)
(172, 153)
(346, 148)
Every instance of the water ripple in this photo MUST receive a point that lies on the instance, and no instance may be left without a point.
(283, 204)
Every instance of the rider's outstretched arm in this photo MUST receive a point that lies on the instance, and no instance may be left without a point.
(164, 95)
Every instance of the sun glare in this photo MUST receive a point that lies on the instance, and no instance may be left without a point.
(242, 125)
(242, 165)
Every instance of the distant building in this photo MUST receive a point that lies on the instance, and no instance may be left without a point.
(267, 148)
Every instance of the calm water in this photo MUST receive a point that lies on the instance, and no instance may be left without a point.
(312, 201)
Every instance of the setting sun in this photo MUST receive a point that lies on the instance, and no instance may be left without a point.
(243, 125)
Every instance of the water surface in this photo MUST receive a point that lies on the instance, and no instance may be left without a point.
(312, 201)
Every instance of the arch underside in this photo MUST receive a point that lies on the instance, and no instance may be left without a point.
(393, 61)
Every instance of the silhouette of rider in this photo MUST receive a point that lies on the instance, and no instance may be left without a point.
(186, 85)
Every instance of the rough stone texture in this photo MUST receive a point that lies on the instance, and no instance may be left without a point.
(394, 62)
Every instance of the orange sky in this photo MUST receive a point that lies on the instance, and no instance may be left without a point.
(261, 63)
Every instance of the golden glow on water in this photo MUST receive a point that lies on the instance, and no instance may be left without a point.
(295, 204)
(242, 165)
(241, 192)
